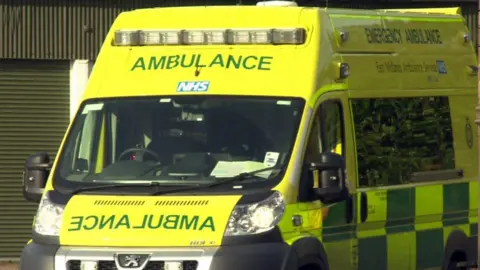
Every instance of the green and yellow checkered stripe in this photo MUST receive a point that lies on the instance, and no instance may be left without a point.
(403, 221)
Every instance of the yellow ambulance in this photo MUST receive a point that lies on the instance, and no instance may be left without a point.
(266, 137)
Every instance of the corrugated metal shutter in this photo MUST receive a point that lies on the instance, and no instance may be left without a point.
(34, 113)
(66, 29)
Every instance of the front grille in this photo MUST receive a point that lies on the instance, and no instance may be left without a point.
(151, 265)
(73, 265)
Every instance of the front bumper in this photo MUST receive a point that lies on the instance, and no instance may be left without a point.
(275, 256)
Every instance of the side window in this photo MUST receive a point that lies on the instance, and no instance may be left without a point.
(112, 128)
(313, 147)
(397, 138)
(83, 155)
(327, 134)
(332, 127)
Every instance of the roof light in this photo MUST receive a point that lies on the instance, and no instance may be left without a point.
(150, 38)
(153, 37)
(249, 36)
(341, 70)
(204, 37)
(344, 71)
(127, 38)
(291, 36)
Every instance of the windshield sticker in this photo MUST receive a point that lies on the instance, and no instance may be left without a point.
(271, 159)
(233, 168)
(199, 86)
(152, 222)
(247, 62)
(284, 102)
(92, 107)
(228, 169)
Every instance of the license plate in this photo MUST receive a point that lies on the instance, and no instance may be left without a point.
(173, 265)
(86, 265)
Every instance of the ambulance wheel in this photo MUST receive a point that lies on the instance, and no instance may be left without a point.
(315, 264)
(455, 251)
(458, 257)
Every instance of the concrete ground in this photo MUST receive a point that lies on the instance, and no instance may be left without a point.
(8, 266)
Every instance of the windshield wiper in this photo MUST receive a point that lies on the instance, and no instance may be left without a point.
(157, 185)
(236, 178)
(92, 188)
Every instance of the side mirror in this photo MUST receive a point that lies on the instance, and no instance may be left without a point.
(330, 168)
(35, 175)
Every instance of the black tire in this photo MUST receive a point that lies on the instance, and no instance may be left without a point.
(315, 264)
(455, 251)
(452, 264)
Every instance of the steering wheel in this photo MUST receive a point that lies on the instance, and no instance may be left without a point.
(135, 149)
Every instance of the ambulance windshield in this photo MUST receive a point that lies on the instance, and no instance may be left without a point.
(178, 139)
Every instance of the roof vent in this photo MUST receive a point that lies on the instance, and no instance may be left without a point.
(277, 3)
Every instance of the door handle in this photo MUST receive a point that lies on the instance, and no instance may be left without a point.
(363, 207)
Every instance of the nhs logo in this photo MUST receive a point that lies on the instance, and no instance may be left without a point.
(199, 86)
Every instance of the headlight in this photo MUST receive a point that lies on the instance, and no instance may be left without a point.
(48, 220)
(256, 218)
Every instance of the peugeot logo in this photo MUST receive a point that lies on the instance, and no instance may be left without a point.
(131, 261)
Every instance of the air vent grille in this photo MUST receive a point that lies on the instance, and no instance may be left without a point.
(118, 203)
(182, 203)
(162, 203)
(110, 265)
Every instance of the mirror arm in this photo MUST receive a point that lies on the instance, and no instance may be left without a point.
(42, 166)
(325, 191)
(322, 166)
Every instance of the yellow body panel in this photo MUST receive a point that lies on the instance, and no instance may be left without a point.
(119, 72)
(146, 221)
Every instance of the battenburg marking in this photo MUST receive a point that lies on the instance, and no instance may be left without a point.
(247, 62)
(153, 222)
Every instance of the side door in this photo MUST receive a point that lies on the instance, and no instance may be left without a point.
(417, 179)
(384, 137)
(330, 132)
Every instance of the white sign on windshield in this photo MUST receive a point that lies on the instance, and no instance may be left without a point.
(92, 107)
(233, 168)
(271, 159)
